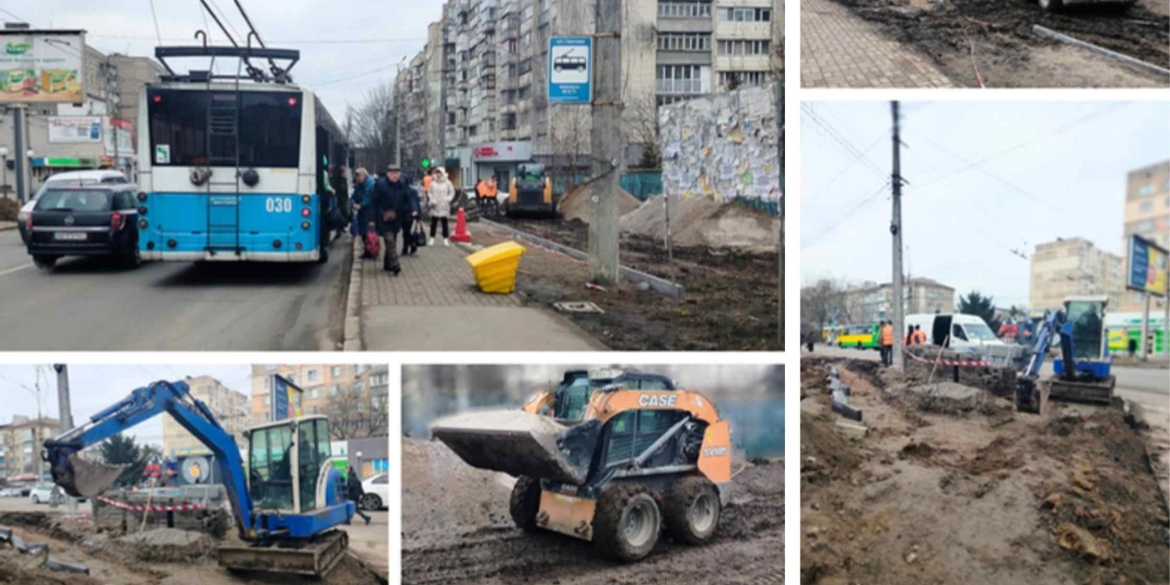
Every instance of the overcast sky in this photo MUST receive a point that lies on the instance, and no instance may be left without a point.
(332, 63)
(984, 179)
(93, 388)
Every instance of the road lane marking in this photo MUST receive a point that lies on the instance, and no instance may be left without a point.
(18, 268)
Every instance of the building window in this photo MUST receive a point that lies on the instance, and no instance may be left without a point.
(314, 393)
(683, 10)
(313, 375)
(679, 79)
(526, 92)
(358, 387)
(757, 47)
(745, 15)
(267, 401)
(1146, 207)
(684, 42)
(358, 369)
(525, 66)
(270, 368)
(528, 11)
(742, 78)
(334, 389)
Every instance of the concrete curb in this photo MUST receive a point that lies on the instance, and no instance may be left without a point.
(353, 302)
(656, 284)
(1134, 62)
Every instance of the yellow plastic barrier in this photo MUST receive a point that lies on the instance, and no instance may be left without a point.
(495, 267)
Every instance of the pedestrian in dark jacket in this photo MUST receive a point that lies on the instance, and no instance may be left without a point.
(409, 244)
(363, 192)
(391, 206)
(353, 485)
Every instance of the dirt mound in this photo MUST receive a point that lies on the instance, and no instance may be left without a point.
(574, 204)
(167, 545)
(21, 569)
(702, 221)
(442, 495)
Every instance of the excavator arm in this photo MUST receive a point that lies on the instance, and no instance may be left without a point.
(79, 478)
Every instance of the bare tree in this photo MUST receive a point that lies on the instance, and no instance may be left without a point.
(355, 413)
(642, 129)
(372, 123)
(568, 136)
(822, 302)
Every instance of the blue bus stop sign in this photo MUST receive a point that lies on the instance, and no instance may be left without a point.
(570, 70)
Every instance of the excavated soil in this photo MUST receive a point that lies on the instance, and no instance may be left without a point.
(1008, 53)
(157, 557)
(731, 296)
(972, 496)
(461, 533)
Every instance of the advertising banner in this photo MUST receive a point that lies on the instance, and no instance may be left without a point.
(286, 398)
(42, 66)
(75, 129)
(120, 137)
(1148, 271)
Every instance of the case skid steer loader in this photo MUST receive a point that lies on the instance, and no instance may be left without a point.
(635, 461)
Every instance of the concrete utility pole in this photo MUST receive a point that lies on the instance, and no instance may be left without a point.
(1145, 345)
(896, 231)
(65, 414)
(608, 145)
(18, 122)
(780, 159)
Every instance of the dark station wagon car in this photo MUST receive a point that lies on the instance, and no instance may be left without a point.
(91, 220)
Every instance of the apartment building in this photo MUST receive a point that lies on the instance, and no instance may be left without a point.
(354, 397)
(20, 444)
(873, 302)
(493, 55)
(230, 408)
(1147, 214)
(1072, 267)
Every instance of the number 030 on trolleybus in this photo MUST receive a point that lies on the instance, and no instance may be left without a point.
(235, 167)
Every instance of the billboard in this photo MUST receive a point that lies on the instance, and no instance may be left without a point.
(75, 129)
(286, 398)
(1147, 267)
(42, 66)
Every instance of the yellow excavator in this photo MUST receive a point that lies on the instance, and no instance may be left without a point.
(632, 462)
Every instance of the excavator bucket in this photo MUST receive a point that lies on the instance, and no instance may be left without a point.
(82, 479)
(519, 443)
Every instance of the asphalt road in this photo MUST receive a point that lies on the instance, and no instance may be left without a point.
(89, 304)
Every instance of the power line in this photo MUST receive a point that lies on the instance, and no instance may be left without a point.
(351, 77)
(848, 146)
(832, 226)
(10, 13)
(290, 41)
(849, 166)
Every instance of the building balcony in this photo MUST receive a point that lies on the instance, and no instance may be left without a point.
(679, 86)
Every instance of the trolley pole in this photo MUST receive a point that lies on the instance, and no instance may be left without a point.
(896, 231)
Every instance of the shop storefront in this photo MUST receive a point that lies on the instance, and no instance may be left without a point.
(499, 160)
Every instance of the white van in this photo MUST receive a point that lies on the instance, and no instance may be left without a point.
(964, 333)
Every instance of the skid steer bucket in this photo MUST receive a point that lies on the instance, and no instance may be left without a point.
(82, 479)
(519, 443)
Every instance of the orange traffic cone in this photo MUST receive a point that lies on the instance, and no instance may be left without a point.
(461, 234)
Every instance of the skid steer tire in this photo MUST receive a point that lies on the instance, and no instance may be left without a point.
(525, 503)
(692, 509)
(627, 522)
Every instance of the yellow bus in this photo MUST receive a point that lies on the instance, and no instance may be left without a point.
(860, 336)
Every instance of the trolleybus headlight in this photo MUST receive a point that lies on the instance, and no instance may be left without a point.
(306, 199)
(142, 223)
(306, 225)
(305, 212)
(142, 196)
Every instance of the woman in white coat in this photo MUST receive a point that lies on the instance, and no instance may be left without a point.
(439, 202)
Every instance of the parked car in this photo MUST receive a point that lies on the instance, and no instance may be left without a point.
(10, 492)
(42, 493)
(73, 179)
(377, 492)
(95, 220)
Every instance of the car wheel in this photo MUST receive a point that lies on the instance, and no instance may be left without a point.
(36, 500)
(132, 259)
(323, 257)
(370, 502)
(44, 262)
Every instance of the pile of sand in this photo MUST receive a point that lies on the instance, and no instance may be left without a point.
(574, 204)
(702, 221)
(442, 495)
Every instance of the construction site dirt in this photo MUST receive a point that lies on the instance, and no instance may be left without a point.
(158, 557)
(994, 40)
(456, 529)
(730, 304)
(934, 492)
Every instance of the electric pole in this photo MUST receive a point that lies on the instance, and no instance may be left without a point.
(896, 231)
(18, 123)
(608, 144)
(780, 160)
(65, 414)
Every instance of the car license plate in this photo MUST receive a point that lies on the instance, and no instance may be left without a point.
(69, 236)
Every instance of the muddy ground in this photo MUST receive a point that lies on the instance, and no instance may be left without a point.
(456, 529)
(1007, 53)
(731, 296)
(117, 560)
(984, 495)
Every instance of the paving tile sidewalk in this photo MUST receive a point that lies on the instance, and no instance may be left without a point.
(434, 306)
(840, 49)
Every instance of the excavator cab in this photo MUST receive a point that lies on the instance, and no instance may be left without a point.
(283, 473)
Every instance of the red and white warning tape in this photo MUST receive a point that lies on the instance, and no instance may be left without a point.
(960, 363)
(179, 508)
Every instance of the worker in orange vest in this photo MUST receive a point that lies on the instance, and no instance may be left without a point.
(887, 341)
(919, 335)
